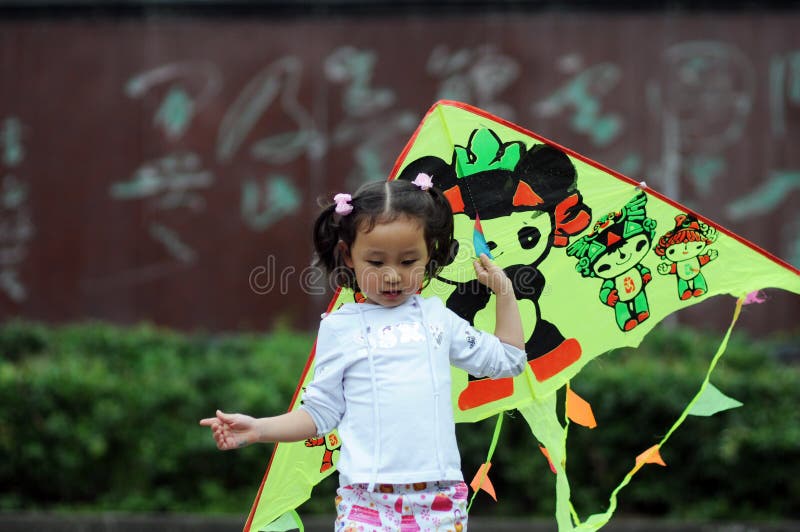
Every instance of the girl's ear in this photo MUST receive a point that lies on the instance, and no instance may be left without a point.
(344, 251)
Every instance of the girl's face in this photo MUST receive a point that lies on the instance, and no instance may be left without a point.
(389, 261)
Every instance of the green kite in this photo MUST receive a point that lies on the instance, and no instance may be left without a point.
(597, 260)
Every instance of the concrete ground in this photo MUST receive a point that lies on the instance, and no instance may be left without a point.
(49, 522)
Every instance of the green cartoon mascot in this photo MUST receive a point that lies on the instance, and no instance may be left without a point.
(613, 251)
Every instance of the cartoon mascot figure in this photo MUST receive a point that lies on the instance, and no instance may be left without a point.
(613, 251)
(330, 442)
(682, 250)
(514, 203)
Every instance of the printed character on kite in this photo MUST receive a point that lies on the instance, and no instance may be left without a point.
(515, 204)
(330, 442)
(613, 251)
(683, 247)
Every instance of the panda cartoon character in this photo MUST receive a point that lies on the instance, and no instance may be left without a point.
(516, 203)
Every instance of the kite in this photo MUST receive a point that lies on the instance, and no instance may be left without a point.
(596, 260)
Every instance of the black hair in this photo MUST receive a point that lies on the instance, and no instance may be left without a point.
(383, 202)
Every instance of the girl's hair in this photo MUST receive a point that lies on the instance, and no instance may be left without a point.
(383, 202)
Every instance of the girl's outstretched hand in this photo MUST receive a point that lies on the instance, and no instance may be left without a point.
(231, 431)
(492, 276)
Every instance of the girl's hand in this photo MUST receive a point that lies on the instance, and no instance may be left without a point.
(492, 276)
(231, 431)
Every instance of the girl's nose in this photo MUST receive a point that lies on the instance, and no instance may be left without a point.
(390, 275)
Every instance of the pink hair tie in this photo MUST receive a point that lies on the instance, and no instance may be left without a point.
(423, 181)
(343, 206)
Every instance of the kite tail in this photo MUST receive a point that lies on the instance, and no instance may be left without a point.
(481, 479)
(596, 521)
(542, 418)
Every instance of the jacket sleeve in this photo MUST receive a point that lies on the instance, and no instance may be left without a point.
(323, 398)
(482, 354)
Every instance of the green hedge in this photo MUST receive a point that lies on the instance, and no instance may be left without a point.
(98, 417)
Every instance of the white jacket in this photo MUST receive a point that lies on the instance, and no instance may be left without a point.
(390, 396)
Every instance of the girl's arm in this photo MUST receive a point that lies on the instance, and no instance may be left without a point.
(233, 431)
(508, 326)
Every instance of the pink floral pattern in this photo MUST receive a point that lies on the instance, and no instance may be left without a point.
(424, 506)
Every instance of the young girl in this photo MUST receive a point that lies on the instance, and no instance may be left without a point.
(382, 365)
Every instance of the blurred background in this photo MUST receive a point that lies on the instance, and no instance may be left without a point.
(160, 168)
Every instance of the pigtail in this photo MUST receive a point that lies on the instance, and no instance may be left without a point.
(327, 251)
(326, 239)
(443, 247)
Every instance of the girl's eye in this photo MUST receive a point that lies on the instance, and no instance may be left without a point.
(409, 262)
(374, 262)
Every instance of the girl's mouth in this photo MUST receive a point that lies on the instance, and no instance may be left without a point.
(392, 293)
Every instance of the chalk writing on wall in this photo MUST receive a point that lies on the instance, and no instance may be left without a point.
(371, 120)
(278, 82)
(223, 129)
(190, 86)
(784, 89)
(264, 203)
(707, 94)
(16, 226)
(703, 96)
(175, 181)
(475, 74)
(583, 95)
(773, 189)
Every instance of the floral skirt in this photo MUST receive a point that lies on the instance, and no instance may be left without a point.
(429, 506)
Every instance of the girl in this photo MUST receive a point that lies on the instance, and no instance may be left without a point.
(382, 365)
